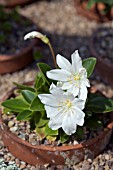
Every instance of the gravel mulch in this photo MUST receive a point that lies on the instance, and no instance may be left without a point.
(67, 31)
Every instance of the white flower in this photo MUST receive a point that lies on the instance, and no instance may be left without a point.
(73, 76)
(35, 34)
(63, 109)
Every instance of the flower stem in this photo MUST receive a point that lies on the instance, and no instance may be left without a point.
(53, 54)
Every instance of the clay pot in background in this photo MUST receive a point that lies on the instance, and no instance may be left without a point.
(13, 3)
(17, 60)
(94, 12)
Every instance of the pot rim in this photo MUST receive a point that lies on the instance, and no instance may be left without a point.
(89, 14)
(4, 129)
(13, 3)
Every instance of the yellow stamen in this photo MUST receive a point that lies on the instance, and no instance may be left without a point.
(70, 81)
(77, 77)
(68, 103)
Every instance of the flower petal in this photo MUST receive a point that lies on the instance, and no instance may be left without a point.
(49, 100)
(58, 74)
(33, 34)
(80, 122)
(51, 111)
(79, 103)
(85, 82)
(56, 90)
(83, 72)
(78, 116)
(76, 62)
(63, 63)
(66, 85)
(56, 122)
(74, 90)
(83, 92)
(69, 123)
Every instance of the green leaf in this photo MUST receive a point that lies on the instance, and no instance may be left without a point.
(90, 3)
(80, 132)
(94, 123)
(24, 87)
(50, 132)
(106, 2)
(28, 95)
(24, 115)
(7, 111)
(99, 104)
(41, 122)
(63, 136)
(36, 105)
(37, 117)
(87, 114)
(39, 82)
(89, 65)
(41, 132)
(16, 105)
(51, 138)
(44, 68)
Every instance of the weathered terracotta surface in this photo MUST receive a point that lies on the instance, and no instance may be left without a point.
(62, 155)
(13, 3)
(104, 66)
(93, 13)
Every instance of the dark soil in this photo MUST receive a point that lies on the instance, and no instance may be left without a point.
(13, 27)
(103, 42)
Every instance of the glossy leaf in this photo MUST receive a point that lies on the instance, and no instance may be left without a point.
(44, 68)
(51, 138)
(24, 87)
(36, 105)
(63, 136)
(7, 111)
(80, 132)
(89, 65)
(41, 132)
(16, 105)
(99, 104)
(28, 95)
(50, 132)
(24, 115)
(94, 123)
(39, 82)
(41, 122)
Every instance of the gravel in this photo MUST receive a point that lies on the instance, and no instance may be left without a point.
(67, 31)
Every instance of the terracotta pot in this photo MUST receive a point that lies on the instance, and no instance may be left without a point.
(13, 62)
(62, 155)
(104, 66)
(13, 3)
(94, 12)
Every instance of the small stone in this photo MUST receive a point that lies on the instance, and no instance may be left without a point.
(75, 142)
(13, 129)
(10, 124)
(17, 162)
(86, 165)
(90, 160)
(23, 165)
(106, 167)
(107, 157)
